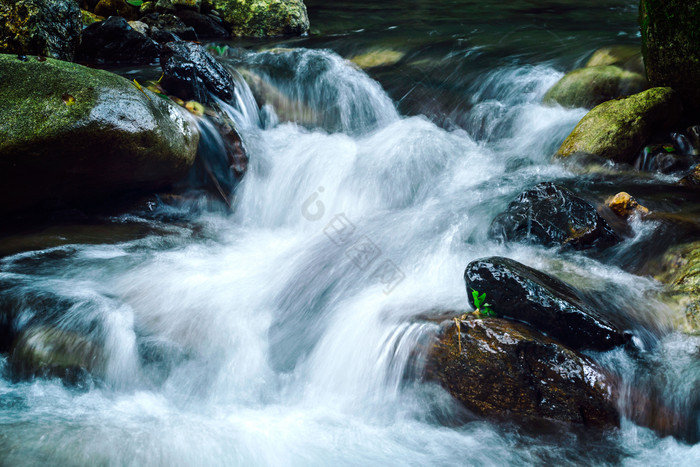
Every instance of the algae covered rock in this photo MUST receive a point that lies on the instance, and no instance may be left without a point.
(72, 133)
(618, 129)
(502, 369)
(627, 57)
(261, 17)
(680, 270)
(107, 8)
(40, 27)
(671, 47)
(588, 87)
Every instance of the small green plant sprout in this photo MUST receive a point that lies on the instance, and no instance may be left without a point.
(482, 308)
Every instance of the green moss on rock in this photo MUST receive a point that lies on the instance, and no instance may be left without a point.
(68, 132)
(627, 57)
(680, 270)
(260, 18)
(588, 87)
(671, 47)
(618, 129)
(40, 27)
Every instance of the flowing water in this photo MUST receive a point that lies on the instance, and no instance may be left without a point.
(259, 335)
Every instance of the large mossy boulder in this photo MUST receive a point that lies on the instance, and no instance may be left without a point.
(671, 47)
(259, 18)
(40, 27)
(507, 370)
(551, 215)
(546, 303)
(72, 133)
(618, 129)
(590, 86)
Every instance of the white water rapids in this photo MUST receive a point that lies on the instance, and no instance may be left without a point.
(287, 333)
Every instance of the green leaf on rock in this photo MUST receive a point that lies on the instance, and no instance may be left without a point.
(669, 148)
(68, 99)
(135, 2)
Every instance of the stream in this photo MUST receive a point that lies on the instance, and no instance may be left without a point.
(256, 336)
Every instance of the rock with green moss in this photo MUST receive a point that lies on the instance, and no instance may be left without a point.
(618, 129)
(679, 268)
(588, 87)
(259, 18)
(671, 47)
(507, 370)
(627, 57)
(90, 18)
(69, 133)
(49, 351)
(40, 27)
(107, 8)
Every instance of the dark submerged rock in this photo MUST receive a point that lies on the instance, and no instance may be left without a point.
(548, 304)
(50, 351)
(114, 41)
(671, 47)
(164, 26)
(551, 215)
(497, 368)
(69, 133)
(191, 73)
(40, 27)
(204, 25)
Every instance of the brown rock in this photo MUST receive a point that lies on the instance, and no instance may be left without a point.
(503, 369)
(624, 205)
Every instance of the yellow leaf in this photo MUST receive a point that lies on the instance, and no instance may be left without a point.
(68, 99)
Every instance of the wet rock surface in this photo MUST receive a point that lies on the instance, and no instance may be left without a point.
(551, 215)
(114, 41)
(590, 86)
(104, 135)
(618, 129)
(546, 303)
(49, 351)
(40, 27)
(679, 269)
(164, 27)
(204, 25)
(191, 73)
(502, 369)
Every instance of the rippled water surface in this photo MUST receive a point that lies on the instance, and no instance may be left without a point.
(256, 337)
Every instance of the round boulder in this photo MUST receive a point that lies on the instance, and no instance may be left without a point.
(588, 87)
(71, 133)
(507, 370)
(618, 129)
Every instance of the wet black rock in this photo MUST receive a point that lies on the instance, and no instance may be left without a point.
(191, 73)
(114, 41)
(167, 28)
(502, 369)
(548, 304)
(204, 25)
(551, 215)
